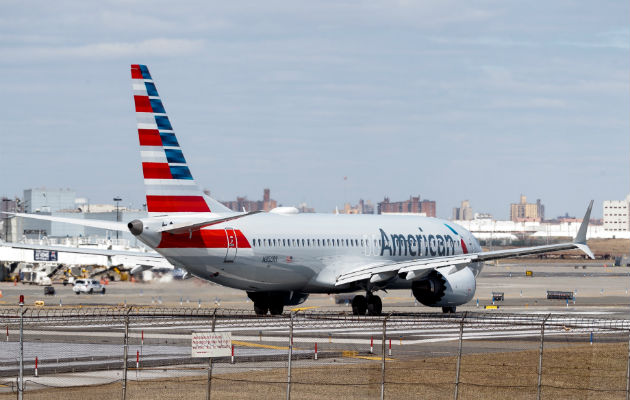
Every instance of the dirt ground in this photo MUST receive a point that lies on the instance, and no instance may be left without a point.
(570, 372)
(605, 250)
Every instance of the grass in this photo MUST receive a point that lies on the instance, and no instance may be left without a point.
(572, 371)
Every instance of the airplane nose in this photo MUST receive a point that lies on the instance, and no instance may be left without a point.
(135, 227)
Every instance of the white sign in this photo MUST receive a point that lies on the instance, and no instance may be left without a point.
(211, 344)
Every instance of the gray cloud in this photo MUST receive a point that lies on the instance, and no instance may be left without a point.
(441, 98)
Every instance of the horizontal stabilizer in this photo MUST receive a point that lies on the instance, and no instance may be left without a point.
(80, 250)
(183, 228)
(92, 223)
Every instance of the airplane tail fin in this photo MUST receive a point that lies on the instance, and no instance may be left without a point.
(170, 187)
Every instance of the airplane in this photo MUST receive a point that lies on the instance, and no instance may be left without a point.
(132, 262)
(281, 256)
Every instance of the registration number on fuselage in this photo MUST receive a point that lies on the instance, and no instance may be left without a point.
(270, 259)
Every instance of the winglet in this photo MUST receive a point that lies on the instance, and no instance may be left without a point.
(580, 238)
(581, 235)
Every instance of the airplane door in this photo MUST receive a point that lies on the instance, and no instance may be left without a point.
(230, 254)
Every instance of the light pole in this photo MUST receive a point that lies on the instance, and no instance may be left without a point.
(117, 200)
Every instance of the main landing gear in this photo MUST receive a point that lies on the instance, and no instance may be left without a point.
(448, 310)
(372, 304)
(267, 302)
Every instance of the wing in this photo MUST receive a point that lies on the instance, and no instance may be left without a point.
(416, 269)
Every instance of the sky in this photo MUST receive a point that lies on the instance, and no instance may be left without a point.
(449, 100)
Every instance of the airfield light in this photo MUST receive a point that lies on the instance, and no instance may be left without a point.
(21, 302)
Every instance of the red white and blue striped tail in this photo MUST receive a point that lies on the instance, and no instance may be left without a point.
(169, 185)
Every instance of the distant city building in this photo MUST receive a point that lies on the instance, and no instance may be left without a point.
(566, 218)
(364, 207)
(412, 206)
(463, 213)
(527, 212)
(8, 205)
(48, 200)
(266, 204)
(479, 216)
(304, 208)
(616, 216)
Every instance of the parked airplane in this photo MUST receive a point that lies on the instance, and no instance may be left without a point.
(281, 257)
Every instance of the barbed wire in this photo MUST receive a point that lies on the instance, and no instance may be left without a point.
(228, 317)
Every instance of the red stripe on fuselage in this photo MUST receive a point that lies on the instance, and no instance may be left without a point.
(202, 239)
(464, 248)
(149, 137)
(152, 170)
(176, 204)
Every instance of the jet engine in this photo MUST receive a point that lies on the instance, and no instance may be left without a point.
(448, 287)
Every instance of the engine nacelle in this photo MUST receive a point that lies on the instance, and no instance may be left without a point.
(441, 290)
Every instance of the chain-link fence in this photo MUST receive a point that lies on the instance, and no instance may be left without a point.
(78, 352)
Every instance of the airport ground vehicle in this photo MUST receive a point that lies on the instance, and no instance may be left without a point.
(89, 286)
(35, 275)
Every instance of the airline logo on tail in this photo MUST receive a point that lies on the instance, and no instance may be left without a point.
(170, 187)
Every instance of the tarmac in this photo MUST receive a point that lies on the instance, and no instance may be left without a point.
(598, 288)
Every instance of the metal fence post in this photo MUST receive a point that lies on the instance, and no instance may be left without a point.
(21, 379)
(125, 355)
(540, 356)
(459, 355)
(628, 372)
(214, 323)
(290, 356)
(383, 357)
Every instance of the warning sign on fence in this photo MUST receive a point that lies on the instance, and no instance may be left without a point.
(211, 344)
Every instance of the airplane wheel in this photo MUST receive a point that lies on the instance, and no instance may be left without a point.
(261, 308)
(276, 309)
(448, 310)
(374, 305)
(359, 305)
